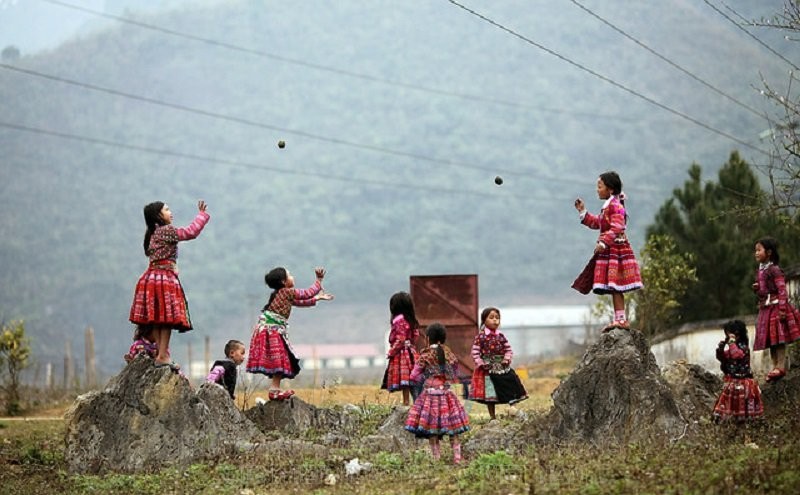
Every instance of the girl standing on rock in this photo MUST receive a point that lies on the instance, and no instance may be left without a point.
(494, 381)
(402, 354)
(437, 411)
(613, 268)
(740, 398)
(778, 321)
(159, 303)
(270, 352)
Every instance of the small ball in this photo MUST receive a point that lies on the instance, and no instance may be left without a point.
(498, 180)
(281, 144)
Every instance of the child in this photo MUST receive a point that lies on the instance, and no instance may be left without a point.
(402, 354)
(270, 352)
(437, 411)
(159, 302)
(223, 371)
(740, 397)
(613, 268)
(142, 344)
(492, 354)
(777, 319)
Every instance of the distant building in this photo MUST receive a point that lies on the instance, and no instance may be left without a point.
(537, 332)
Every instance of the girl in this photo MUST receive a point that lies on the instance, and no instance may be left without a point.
(159, 303)
(613, 268)
(740, 397)
(777, 323)
(402, 354)
(142, 344)
(223, 371)
(437, 411)
(270, 353)
(492, 354)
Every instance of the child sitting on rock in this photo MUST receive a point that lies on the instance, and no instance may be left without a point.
(223, 372)
(143, 343)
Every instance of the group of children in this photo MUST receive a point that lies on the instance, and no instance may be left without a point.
(160, 305)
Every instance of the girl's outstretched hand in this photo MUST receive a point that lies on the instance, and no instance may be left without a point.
(324, 296)
(579, 205)
(201, 205)
(320, 272)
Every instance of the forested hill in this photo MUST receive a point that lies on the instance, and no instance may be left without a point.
(397, 117)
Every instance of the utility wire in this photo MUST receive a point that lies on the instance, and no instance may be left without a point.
(608, 80)
(237, 163)
(748, 33)
(330, 69)
(670, 62)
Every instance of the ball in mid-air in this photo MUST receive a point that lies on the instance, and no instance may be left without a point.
(498, 180)
(281, 144)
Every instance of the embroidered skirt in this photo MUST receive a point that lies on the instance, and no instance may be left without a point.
(616, 270)
(398, 371)
(740, 399)
(437, 412)
(497, 388)
(772, 330)
(270, 352)
(159, 301)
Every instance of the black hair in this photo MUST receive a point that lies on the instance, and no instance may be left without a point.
(738, 328)
(770, 245)
(437, 334)
(612, 181)
(275, 280)
(143, 332)
(231, 346)
(485, 314)
(153, 219)
(401, 304)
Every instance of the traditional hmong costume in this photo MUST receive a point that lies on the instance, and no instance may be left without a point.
(223, 372)
(159, 300)
(402, 355)
(615, 268)
(778, 321)
(141, 346)
(437, 411)
(740, 398)
(270, 352)
(493, 381)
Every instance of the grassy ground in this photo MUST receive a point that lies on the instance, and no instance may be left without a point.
(759, 458)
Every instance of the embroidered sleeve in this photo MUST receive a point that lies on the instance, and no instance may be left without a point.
(417, 372)
(616, 218)
(476, 351)
(508, 354)
(780, 284)
(398, 335)
(193, 229)
(734, 352)
(305, 297)
(216, 374)
(590, 220)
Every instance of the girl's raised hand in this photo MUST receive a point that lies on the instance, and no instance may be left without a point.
(324, 296)
(201, 205)
(579, 204)
(320, 272)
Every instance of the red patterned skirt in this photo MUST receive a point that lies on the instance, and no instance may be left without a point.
(398, 371)
(772, 330)
(437, 412)
(740, 399)
(616, 270)
(496, 388)
(270, 352)
(159, 301)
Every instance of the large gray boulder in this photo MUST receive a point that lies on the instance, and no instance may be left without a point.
(694, 388)
(616, 394)
(148, 418)
(294, 415)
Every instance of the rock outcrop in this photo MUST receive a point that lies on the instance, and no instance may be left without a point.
(148, 418)
(694, 388)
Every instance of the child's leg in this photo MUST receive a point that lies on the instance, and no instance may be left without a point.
(618, 299)
(276, 382)
(434, 444)
(161, 336)
(778, 355)
(405, 396)
(490, 407)
(455, 443)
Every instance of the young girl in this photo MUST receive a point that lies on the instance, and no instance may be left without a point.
(142, 344)
(494, 381)
(270, 351)
(740, 397)
(223, 371)
(402, 354)
(437, 411)
(613, 267)
(777, 319)
(159, 303)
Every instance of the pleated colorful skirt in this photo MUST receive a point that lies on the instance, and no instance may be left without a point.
(270, 352)
(437, 412)
(740, 399)
(159, 301)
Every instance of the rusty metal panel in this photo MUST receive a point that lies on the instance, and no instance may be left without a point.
(453, 301)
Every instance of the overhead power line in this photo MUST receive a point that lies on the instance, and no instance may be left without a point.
(670, 62)
(608, 79)
(751, 35)
(330, 69)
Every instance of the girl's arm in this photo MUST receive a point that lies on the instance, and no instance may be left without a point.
(397, 336)
(617, 227)
(508, 354)
(780, 284)
(417, 372)
(590, 220)
(476, 352)
(305, 297)
(734, 352)
(193, 229)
